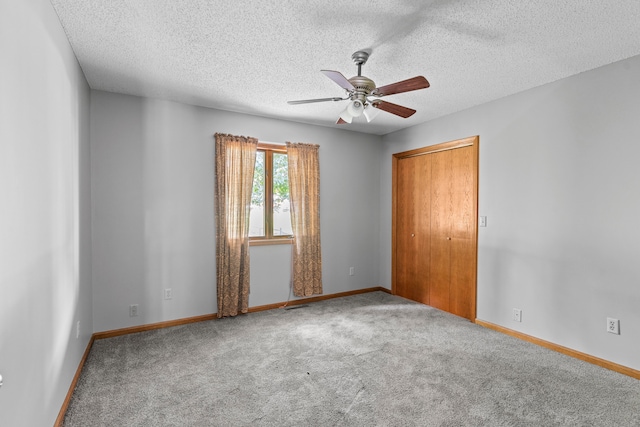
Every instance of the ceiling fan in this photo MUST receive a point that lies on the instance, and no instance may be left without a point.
(362, 92)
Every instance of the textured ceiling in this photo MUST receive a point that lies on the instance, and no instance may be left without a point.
(254, 56)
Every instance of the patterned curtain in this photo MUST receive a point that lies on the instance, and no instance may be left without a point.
(235, 161)
(304, 193)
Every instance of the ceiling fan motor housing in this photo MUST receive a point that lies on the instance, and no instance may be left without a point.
(363, 87)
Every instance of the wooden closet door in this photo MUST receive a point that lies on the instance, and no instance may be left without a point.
(412, 228)
(434, 240)
(453, 253)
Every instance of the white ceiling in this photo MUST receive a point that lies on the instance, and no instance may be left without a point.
(254, 56)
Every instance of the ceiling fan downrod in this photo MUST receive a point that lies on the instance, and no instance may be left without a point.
(360, 58)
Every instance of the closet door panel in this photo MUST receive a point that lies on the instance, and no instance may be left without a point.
(405, 250)
(412, 258)
(422, 232)
(463, 234)
(441, 164)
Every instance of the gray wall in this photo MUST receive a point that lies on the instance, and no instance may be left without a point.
(559, 181)
(152, 171)
(45, 243)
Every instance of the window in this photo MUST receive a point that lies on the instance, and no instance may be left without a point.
(270, 217)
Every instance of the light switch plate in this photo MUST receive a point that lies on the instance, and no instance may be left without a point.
(483, 221)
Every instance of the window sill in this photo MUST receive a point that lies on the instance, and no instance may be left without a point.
(266, 242)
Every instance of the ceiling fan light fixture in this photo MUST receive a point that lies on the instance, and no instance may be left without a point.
(370, 112)
(346, 116)
(355, 108)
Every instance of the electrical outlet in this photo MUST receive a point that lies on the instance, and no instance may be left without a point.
(352, 271)
(517, 315)
(77, 329)
(168, 293)
(133, 310)
(613, 326)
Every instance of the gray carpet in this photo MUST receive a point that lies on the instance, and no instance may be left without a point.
(366, 360)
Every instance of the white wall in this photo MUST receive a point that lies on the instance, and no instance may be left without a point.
(559, 183)
(152, 170)
(45, 246)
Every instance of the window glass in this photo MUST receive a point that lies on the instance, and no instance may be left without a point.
(281, 214)
(256, 216)
(270, 215)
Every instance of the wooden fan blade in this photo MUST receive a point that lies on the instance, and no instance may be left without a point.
(307, 101)
(340, 121)
(408, 85)
(339, 79)
(392, 108)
